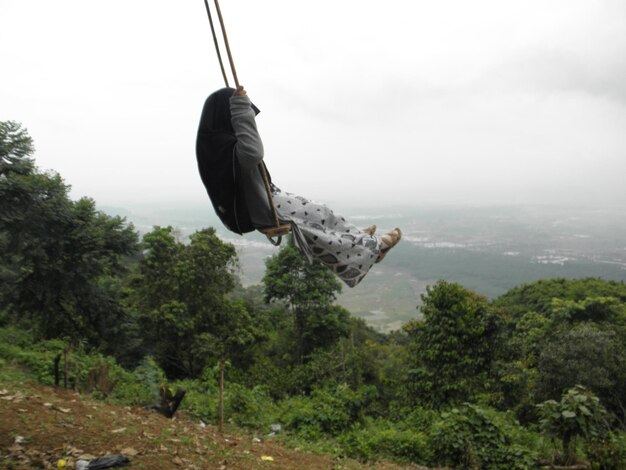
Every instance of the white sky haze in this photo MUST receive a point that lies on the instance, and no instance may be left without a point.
(363, 102)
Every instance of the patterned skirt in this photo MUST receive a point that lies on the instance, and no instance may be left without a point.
(320, 234)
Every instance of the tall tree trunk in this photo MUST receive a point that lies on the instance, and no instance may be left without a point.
(221, 398)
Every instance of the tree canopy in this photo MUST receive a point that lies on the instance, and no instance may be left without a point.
(57, 256)
(308, 289)
(452, 348)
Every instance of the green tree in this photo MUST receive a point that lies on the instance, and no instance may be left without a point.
(309, 290)
(593, 309)
(16, 148)
(180, 292)
(513, 374)
(59, 259)
(587, 355)
(156, 283)
(452, 349)
(538, 296)
(561, 333)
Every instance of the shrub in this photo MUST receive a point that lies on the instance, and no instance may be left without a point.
(16, 337)
(417, 418)
(16, 346)
(468, 437)
(249, 407)
(202, 395)
(608, 453)
(138, 387)
(579, 413)
(149, 375)
(326, 411)
(383, 439)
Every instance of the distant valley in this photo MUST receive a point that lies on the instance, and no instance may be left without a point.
(486, 249)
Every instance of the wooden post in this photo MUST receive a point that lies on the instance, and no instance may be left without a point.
(221, 398)
(65, 365)
(75, 378)
(57, 374)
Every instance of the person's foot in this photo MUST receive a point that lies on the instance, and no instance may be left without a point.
(389, 240)
(371, 230)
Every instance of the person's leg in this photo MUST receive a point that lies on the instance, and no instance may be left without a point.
(344, 248)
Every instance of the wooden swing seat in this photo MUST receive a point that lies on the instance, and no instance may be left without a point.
(275, 234)
(276, 231)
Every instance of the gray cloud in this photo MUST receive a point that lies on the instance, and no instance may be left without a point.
(558, 72)
(409, 101)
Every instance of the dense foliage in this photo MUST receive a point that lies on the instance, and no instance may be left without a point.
(60, 260)
(537, 375)
(452, 348)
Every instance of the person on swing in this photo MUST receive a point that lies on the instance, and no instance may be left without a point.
(228, 133)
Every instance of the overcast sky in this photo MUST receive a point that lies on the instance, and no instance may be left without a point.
(363, 102)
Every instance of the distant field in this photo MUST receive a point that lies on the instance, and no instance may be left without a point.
(389, 295)
(486, 249)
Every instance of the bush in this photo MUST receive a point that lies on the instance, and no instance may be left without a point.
(16, 337)
(139, 387)
(608, 453)
(246, 407)
(579, 413)
(249, 407)
(383, 439)
(202, 395)
(469, 437)
(16, 346)
(150, 376)
(417, 418)
(326, 411)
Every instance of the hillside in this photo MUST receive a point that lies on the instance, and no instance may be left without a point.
(488, 249)
(40, 425)
(535, 376)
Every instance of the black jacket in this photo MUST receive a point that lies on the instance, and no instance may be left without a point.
(217, 163)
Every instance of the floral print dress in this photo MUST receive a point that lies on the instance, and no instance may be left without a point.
(321, 234)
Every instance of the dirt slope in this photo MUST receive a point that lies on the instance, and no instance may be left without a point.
(40, 425)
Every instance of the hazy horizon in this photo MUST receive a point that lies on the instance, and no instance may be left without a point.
(488, 249)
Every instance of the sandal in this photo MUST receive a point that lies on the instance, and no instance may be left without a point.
(371, 230)
(389, 240)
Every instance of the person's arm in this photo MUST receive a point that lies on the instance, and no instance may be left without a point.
(249, 147)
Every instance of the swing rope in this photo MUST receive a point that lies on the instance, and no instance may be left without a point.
(217, 48)
(226, 44)
(273, 234)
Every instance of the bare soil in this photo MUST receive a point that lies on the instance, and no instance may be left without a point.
(46, 427)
